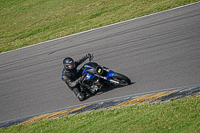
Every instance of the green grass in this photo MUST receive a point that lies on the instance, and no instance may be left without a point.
(26, 22)
(182, 116)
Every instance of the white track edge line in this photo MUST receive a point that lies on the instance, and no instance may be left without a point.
(99, 101)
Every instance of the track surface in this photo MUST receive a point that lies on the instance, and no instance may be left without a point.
(157, 52)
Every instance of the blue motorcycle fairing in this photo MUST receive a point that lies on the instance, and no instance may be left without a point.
(110, 74)
(89, 76)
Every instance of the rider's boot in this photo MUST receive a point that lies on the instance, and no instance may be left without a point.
(80, 95)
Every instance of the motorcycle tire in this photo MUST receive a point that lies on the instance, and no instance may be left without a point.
(122, 79)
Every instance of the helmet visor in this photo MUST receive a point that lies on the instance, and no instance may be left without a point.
(69, 66)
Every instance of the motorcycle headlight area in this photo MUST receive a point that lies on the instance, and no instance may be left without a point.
(99, 70)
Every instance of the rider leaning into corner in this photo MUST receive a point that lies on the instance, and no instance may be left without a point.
(71, 76)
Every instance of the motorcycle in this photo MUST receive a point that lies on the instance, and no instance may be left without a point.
(97, 77)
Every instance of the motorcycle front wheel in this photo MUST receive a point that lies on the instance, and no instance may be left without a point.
(122, 79)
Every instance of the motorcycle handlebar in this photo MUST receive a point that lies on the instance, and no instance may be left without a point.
(91, 58)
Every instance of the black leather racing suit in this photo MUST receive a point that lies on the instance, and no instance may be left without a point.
(72, 78)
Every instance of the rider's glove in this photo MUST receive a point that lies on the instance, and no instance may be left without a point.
(81, 78)
(88, 55)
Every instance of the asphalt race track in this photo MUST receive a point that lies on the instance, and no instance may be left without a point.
(157, 52)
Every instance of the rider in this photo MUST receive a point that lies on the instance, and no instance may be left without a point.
(71, 76)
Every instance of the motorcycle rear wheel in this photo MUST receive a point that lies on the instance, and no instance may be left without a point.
(122, 79)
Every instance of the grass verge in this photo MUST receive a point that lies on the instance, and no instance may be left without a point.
(176, 116)
(26, 22)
